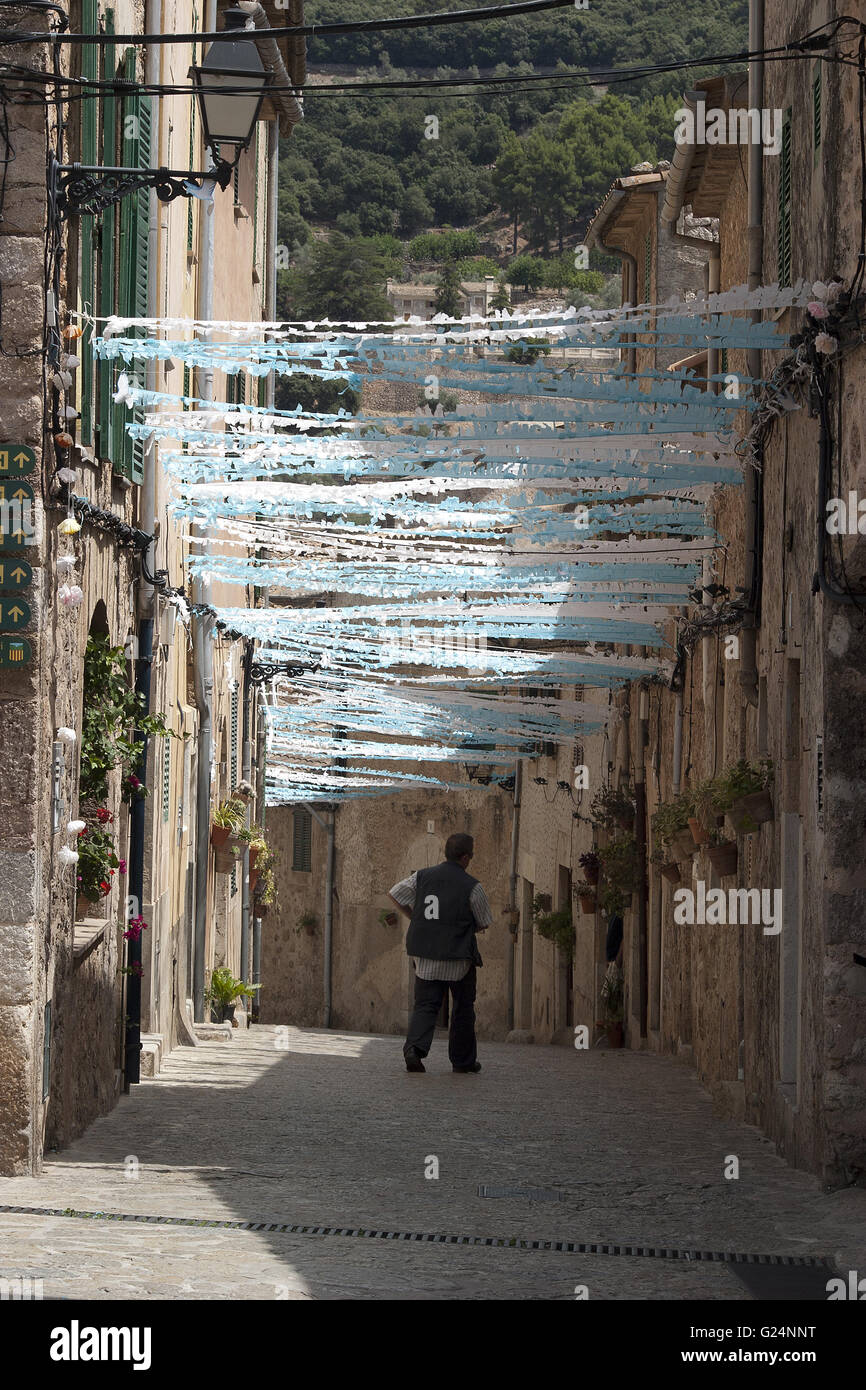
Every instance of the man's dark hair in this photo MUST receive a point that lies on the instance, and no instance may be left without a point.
(458, 845)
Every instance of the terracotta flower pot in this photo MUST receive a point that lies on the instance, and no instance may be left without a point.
(670, 871)
(592, 875)
(219, 834)
(587, 904)
(254, 854)
(699, 834)
(724, 858)
(254, 878)
(226, 857)
(261, 909)
(682, 845)
(614, 1034)
(750, 811)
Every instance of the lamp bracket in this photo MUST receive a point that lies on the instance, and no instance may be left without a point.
(81, 189)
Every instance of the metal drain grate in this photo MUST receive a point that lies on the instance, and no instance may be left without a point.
(530, 1194)
(566, 1247)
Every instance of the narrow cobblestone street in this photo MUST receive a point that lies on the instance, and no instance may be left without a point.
(303, 1127)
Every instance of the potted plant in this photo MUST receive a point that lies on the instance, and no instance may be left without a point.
(228, 821)
(722, 853)
(591, 866)
(97, 859)
(557, 927)
(745, 790)
(308, 922)
(671, 836)
(587, 897)
(613, 807)
(388, 919)
(223, 993)
(619, 873)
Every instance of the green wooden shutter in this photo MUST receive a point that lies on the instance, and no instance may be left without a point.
(166, 779)
(234, 738)
(783, 257)
(107, 243)
(89, 155)
(302, 831)
(128, 454)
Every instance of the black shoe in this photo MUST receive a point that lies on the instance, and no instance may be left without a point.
(413, 1060)
(476, 1066)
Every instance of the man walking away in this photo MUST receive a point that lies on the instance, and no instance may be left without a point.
(446, 906)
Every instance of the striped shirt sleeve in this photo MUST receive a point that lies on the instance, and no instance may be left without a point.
(480, 908)
(404, 891)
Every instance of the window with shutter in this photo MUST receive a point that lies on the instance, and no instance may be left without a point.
(89, 155)
(128, 455)
(234, 738)
(107, 243)
(166, 779)
(816, 110)
(302, 832)
(783, 259)
(647, 267)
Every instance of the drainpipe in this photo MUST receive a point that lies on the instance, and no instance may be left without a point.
(640, 836)
(202, 627)
(754, 491)
(330, 826)
(132, 1047)
(271, 243)
(260, 802)
(246, 773)
(512, 886)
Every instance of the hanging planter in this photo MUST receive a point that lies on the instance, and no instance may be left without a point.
(227, 856)
(219, 834)
(670, 871)
(682, 845)
(748, 812)
(587, 904)
(590, 863)
(723, 858)
(254, 878)
(699, 833)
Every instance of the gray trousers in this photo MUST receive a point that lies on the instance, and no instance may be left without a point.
(462, 1051)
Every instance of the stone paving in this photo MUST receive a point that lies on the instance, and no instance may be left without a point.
(306, 1127)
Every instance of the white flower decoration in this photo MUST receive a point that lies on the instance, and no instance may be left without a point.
(67, 735)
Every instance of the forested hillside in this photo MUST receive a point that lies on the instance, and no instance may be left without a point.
(524, 166)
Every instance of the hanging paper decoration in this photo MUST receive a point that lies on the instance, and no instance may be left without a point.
(441, 583)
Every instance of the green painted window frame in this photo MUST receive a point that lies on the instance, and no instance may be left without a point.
(89, 144)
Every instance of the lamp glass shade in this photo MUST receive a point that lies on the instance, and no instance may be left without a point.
(229, 114)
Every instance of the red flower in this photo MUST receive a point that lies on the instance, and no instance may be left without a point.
(103, 816)
(106, 887)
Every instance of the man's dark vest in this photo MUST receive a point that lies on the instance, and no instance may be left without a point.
(442, 925)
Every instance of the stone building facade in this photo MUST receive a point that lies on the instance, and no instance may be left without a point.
(70, 1018)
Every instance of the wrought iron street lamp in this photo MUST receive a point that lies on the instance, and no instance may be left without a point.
(230, 86)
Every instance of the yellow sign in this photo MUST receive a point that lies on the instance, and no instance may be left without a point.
(14, 651)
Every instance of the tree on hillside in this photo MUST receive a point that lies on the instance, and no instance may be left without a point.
(337, 279)
(526, 271)
(447, 299)
(511, 182)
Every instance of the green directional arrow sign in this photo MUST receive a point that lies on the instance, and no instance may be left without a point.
(16, 460)
(15, 575)
(14, 614)
(14, 651)
(13, 491)
(16, 513)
